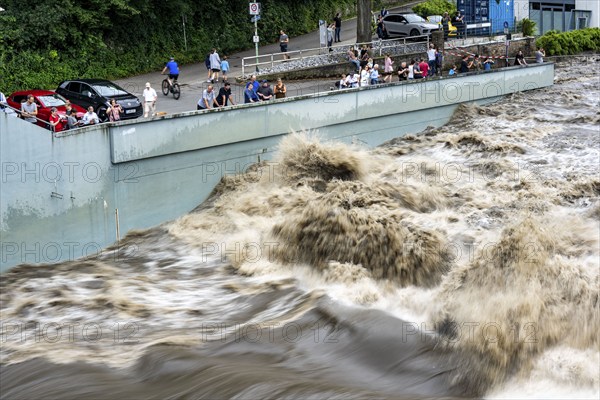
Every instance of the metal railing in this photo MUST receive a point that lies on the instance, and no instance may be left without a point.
(18, 113)
(253, 63)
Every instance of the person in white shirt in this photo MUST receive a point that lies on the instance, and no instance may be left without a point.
(431, 53)
(365, 76)
(150, 97)
(90, 117)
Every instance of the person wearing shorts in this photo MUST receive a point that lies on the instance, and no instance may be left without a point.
(283, 44)
(173, 69)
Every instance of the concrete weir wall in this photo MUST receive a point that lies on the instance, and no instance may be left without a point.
(60, 193)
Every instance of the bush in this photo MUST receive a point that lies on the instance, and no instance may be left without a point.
(434, 7)
(572, 42)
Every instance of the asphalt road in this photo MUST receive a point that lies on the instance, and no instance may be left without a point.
(192, 77)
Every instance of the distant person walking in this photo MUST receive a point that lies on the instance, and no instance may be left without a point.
(215, 65)
(284, 40)
(338, 27)
(224, 67)
(150, 97)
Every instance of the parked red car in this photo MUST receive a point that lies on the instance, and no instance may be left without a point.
(45, 100)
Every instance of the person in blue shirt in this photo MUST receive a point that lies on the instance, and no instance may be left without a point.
(224, 67)
(487, 64)
(173, 71)
(250, 95)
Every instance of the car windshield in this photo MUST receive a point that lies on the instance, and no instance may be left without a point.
(109, 89)
(52, 100)
(412, 18)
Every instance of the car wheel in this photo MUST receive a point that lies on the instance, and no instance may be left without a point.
(415, 32)
(102, 114)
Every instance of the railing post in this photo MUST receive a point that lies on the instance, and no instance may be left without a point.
(243, 72)
(271, 60)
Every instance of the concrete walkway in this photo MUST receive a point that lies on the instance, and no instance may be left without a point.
(192, 77)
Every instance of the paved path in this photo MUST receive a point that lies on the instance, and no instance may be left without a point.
(193, 76)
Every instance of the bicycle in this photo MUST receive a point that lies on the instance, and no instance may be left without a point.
(174, 88)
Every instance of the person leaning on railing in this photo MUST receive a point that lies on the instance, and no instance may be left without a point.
(29, 110)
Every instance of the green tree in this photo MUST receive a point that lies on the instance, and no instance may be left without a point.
(434, 7)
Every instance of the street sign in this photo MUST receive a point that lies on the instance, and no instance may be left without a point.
(255, 18)
(505, 31)
(255, 39)
(254, 8)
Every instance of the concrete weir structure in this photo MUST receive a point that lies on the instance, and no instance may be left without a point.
(69, 195)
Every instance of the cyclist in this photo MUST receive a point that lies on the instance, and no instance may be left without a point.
(173, 72)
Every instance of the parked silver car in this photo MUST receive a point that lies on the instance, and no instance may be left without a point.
(408, 25)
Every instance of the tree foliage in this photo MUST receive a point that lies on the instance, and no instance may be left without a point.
(52, 40)
(527, 26)
(572, 42)
(434, 7)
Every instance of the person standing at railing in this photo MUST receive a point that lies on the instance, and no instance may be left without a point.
(249, 94)
(375, 75)
(403, 72)
(29, 110)
(56, 124)
(224, 96)
(431, 59)
(520, 59)
(539, 55)
(487, 64)
(284, 40)
(90, 117)
(338, 27)
(280, 90)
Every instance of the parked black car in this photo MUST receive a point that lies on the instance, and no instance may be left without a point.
(98, 93)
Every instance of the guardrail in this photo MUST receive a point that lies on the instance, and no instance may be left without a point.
(252, 63)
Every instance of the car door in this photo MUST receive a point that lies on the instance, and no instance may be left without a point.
(394, 24)
(73, 92)
(88, 96)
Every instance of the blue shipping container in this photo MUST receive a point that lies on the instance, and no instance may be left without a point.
(498, 12)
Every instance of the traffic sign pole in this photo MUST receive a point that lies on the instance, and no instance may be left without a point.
(254, 9)
(256, 43)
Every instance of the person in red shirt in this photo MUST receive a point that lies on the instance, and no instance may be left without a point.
(56, 124)
(424, 67)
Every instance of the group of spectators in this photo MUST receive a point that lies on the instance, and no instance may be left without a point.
(365, 73)
(253, 92)
(56, 122)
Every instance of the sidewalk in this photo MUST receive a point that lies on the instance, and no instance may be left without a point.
(193, 76)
